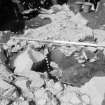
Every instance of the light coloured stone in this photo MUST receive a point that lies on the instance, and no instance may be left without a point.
(40, 93)
(40, 96)
(86, 99)
(24, 61)
(55, 88)
(35, 78)
(70, 96)
(81, 60)
(8, 93)
(92, 49)
(20, 102)
(74, 99)
(84, 104)
(66, 104)
(104, 51)
(31, 75)
(4, 102)
(67, 51)
(4, 74)
(23, 64)
(54, 101)
(24, 103)
(26, 92)
(50, 83)
(93, 59)
(4, 85)
(45, 97)
(79, 20)
(95, 89)
(54, 65)
(37, 82)
(51, 99)
(41, 102)
(58, 87)
(56, 8)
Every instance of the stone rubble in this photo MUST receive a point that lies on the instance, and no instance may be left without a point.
(54, 93)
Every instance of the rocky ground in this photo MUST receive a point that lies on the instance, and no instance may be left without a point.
(75, 74)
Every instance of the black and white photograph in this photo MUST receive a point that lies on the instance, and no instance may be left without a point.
(52, 52)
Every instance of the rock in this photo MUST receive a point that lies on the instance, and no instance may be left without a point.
(93, 59)
(58, 87)
(55, 88)
(79, 20)
(54, 65)
(95, 90)
(66, 50)
(92, 49)
(22, 63)
(25, 60)
(4, 85)
(57, 56)
(20, 102)
(39, 93)
(41, 102)
(89, 54)
(70, 97)
(4, 102)
(24, 103)
(56, 8)
(56, 73)
(50, 83)
(9, 93)
(52, 100)
(86, 99)
(45, 97)
(37, 82)
(65, 103)
(40, 96)
(25, 91)
(74, 99)
(4, 72)
(81, 61)
(35, 78)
